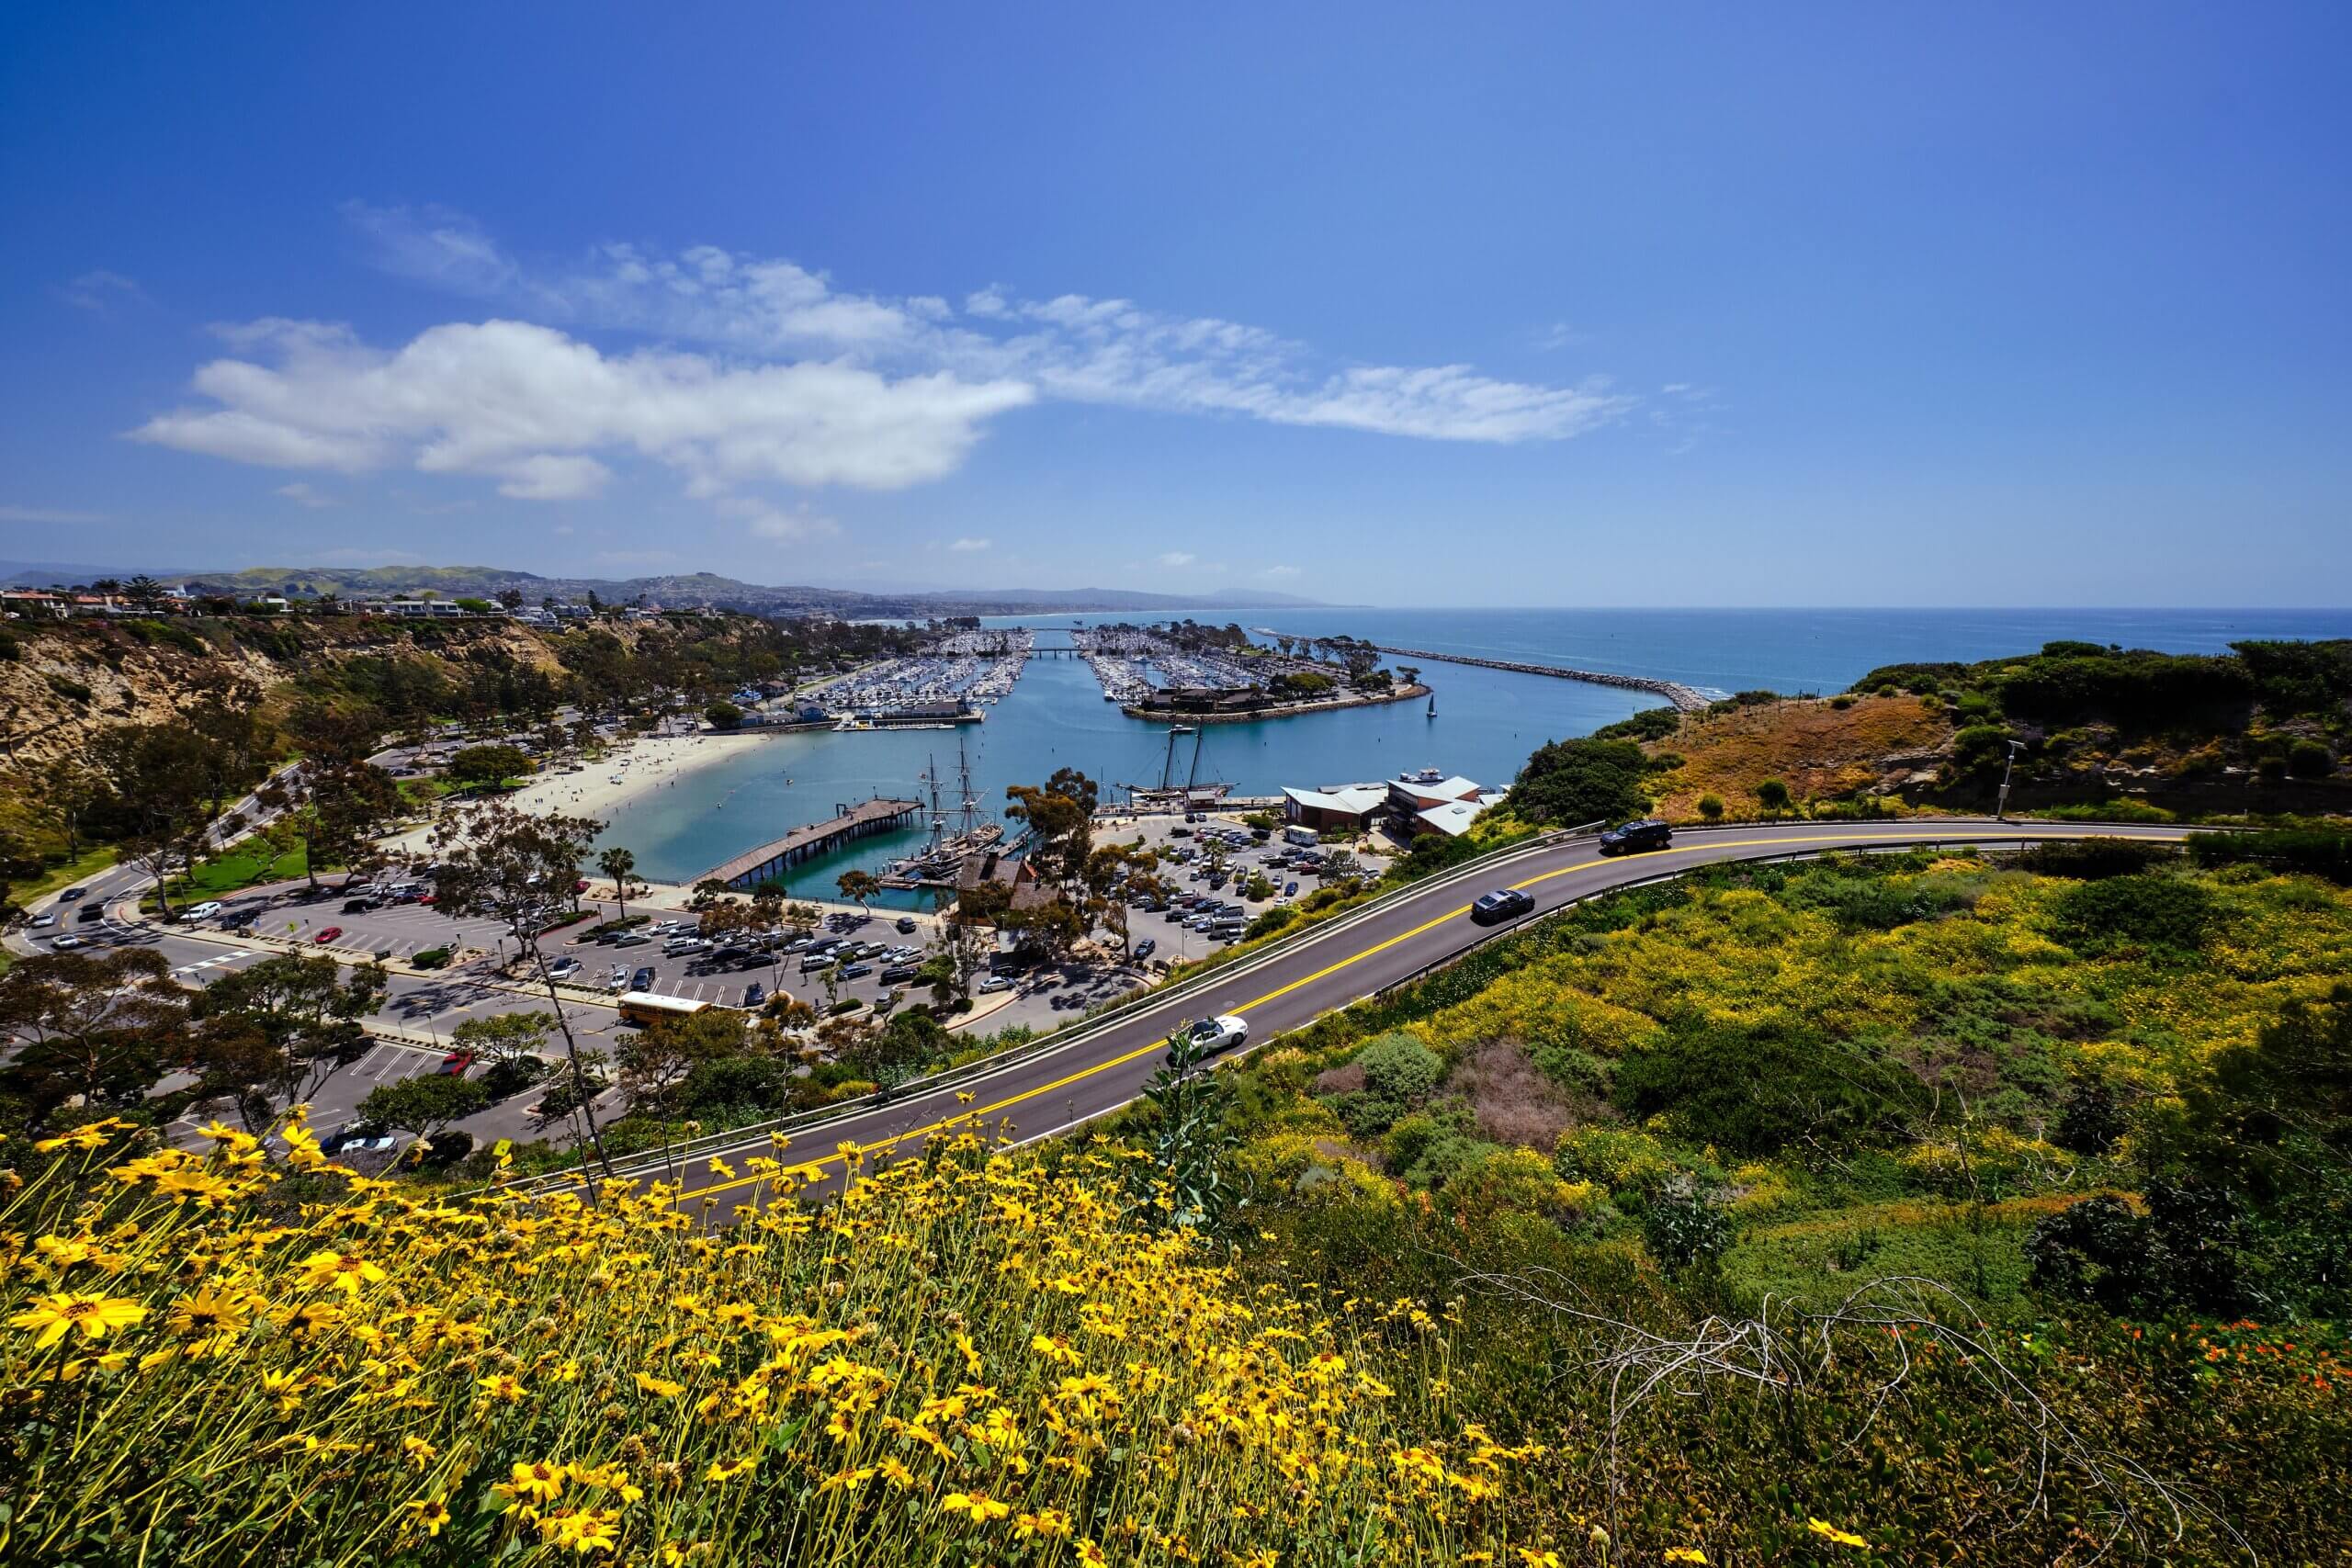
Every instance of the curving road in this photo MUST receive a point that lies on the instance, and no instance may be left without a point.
(1100, 1068)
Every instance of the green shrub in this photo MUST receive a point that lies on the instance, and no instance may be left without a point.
(1710, 806)
(11, 650)
(73, 691)
(2092, 860)
(2147, 910)
(1842, 702)
(1752, 1088)
(1399, 1067)
(1650, 724)
(1682, 1228)
(431, 958)
(2319, 851)
(2310, 760)
(1772, 794)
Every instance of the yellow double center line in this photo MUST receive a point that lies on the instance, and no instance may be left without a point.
(1082, 1074)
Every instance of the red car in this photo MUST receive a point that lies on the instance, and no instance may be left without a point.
(456, 1062)
(580, 885)
(329, 935)
(428, 898)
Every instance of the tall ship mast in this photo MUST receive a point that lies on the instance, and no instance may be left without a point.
(1193, 793)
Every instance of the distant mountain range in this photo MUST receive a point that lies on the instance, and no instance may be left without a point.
(690, 590)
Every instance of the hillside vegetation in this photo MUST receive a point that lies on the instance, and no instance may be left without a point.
(2096, 1099)
(2260, 731)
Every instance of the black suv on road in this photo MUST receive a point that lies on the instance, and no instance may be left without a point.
(1627, 838)
(1503, 904)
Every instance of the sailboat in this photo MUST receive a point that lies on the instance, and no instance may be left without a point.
(1432, 705)
(1191, 795)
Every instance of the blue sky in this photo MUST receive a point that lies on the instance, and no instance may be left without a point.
(1539, 305)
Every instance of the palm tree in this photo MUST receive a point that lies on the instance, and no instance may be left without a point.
(617, 864)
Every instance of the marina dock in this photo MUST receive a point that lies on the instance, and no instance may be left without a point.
(772, 860)
(1685, 698)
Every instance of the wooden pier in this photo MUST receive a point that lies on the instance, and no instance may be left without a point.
(770, 861)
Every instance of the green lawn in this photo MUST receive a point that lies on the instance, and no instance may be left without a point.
(62, 874)
(240, 866)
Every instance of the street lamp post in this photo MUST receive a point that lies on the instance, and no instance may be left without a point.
(2001, 807)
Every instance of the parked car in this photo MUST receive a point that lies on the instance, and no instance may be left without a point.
(857, 970)
(203, 911)
(1630, 838)
(642, 980)
(995, 983)
(906, 923)
(897, 972)
(1145, 948)
(455, 1064)
(328, 935)
(357, 906)
(1503, 904)
(563, 968)
(754, 993)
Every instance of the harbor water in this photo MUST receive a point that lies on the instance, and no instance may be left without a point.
(1486, 722)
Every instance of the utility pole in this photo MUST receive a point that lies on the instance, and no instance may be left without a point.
(2001, 809)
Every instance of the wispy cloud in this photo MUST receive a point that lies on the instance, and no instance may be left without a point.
(47, 515)
(970, 545)
(1280, 572)
(795, 382)
(303, 493)
(1176, 558)
(1558, 335)
(101, 291)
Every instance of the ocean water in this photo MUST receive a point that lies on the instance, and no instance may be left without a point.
(1487, 723)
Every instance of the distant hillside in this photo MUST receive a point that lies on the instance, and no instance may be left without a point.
(722, 592)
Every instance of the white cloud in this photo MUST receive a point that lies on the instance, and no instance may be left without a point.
(1176, 558)
(809, 385)
(101, 290)
(530, 407)
(1280, 572)
(432, 244)
(47, 515)
(1069, 346)
(769, 520)
(303, 493)
(1558, 335)
(968, 543)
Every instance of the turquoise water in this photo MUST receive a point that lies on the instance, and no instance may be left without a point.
(1487, 720)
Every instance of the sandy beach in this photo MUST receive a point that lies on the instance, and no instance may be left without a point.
(622, 775)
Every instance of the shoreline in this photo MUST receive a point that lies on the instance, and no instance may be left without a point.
(643, 765)
(1326, 704)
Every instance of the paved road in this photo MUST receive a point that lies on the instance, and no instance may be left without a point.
(1105, 1070)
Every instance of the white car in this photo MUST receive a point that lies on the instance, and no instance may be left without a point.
(43, 921)
(995, 983)
(563, 968)
(203, 911)
(1222, 1032)
(66, 940)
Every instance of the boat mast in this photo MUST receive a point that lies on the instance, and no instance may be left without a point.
(1200, 733)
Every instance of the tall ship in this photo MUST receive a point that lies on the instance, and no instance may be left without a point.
(940, 861)
(1194, 795)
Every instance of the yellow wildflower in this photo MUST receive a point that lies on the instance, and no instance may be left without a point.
(428, 1514)
(979, 1505)
(95, 1314)
(1828, 1532)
